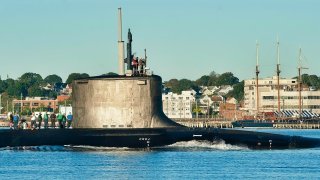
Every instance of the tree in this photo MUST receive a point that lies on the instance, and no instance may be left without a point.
(29, 79)
(52, 79)
(227, 79)
(185, 84)
(213, 79)
(35, 91)
(110, 74)
(314, 81)
(172, 84)
(16, 88)
(74, 76)
(213, 74)
(3, 86)
(203, 81)
(177, 86)
(237, 92)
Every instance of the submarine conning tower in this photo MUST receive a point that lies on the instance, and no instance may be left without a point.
(119, 102)
(131, 99)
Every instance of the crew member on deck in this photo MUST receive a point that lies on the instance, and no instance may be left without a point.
(69, 120)
(135, 65)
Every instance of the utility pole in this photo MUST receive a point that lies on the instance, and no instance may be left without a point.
(65, 107)
(21, 105)
(0, 104)
(196, 108)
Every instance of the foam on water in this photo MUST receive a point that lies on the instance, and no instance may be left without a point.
(184, 145)
(99, 148)
(216, 145)
(35, 148)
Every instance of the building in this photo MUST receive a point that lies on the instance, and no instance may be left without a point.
(62, 98)
(178, 105)
(229, 110)
(210, 90)
(225, 90)
(35, 103)
(65, 109)
(289, 96)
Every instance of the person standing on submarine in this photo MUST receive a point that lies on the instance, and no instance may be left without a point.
(69, 120)
(46, 119)
(15, 121)
(39, 120)
(59, 118)
(53, 120)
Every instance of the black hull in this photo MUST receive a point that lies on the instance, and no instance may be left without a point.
(144, 138)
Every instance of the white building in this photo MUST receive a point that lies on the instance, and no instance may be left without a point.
(178, 106)
(289, 96)
(225, 90)
(65, 109)
(209, 90)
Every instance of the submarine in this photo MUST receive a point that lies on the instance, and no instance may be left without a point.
(125, 110)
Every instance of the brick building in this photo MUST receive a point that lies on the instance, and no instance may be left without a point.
(36, 102)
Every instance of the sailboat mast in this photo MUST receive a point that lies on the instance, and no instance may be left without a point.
(299, 82)
(257, 76)
(278, 74)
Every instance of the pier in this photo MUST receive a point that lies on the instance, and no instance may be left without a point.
(297, 126)
(223, 123)
(205, 122)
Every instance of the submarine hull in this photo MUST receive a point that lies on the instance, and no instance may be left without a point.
(145, 138)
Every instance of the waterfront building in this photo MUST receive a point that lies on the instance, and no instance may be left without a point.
(289, 96)
(230, 110)
(178, 105)
(34, 103)
(62, 98)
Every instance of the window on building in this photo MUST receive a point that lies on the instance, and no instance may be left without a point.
(35, 104)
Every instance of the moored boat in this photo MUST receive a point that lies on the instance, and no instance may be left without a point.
(252, 124)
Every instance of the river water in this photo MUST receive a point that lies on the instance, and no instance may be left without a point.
(184, 160)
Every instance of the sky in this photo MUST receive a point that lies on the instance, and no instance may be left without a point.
(184, 39)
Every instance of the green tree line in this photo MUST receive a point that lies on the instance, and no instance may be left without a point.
(32, 85)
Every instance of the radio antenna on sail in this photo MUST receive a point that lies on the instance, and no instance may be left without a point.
(278, 73)
(120, 45)
(257, 76)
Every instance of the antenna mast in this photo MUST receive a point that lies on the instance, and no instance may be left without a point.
(257, 76)
(278, 74)
(120, 44)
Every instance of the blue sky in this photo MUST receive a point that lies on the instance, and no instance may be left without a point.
(184, 39)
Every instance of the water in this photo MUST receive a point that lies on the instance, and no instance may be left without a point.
(183, 160)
